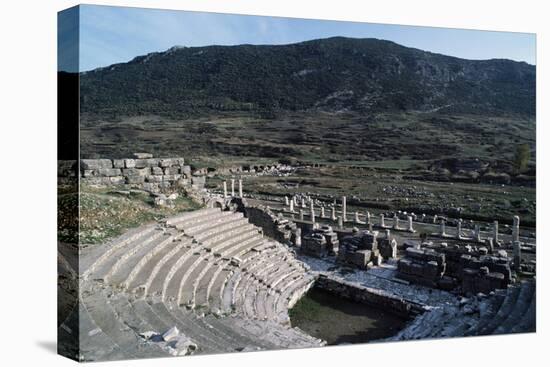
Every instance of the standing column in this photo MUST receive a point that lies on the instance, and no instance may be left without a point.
(322, 212)
(395, 221)
(292, 206)
(241, 189)
(477, 233)
(224, 189)
(357, 218)
(286, 200)
(301, 214)
(515, 229)
(312, 211)
(340, 222)
(344, 209)
(232, 187)
(333, 213)
(459, 229)
(442, 228)
(495, 232)
(367, 217)
(517, 255)
(382, 224)
(410, 224)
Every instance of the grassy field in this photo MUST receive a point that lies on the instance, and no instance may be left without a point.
(106, 213)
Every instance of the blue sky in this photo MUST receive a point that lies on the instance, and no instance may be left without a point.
(111, 35)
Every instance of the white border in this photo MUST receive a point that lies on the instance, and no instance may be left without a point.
(28, 179)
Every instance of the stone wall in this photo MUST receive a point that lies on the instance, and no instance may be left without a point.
(276, 227)
(144, 171)
(373, 297)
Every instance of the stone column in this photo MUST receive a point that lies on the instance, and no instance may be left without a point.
(241, 189)
(292, 206)
(224, 189)
(333, 213)
(517, 255)
(435, 219)
(395, 221)
(322, 212)
(382, 224)
(367, 217)
(298, 237)
(495, 232)
(459, 229)
(302, 202)
(357, 217)
(301, 214)
(344, 209)
(340, 222)
(477, 233)
(232, 187)
(515, 229)
(489, 245)
(410, 224)
(286, 200)
(442, 228)
(295, 199)
(388, 233)
(312, 211)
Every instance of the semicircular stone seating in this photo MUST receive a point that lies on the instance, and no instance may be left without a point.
(209, 272)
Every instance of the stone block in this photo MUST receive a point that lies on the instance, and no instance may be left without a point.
(143, 163)
(88, 164)
(136, 171)
(153, 178)
(157, 171)
(108, 172)
(88, 173)
(135, 179)
(171, 170)
(117, 180)
(186, 170)
(167, 162)
(118, 163)
(129, 163)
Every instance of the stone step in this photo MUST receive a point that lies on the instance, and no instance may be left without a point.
(105, 317)
(189, 280)
(94, 344)
(238, 250)
(520, 307)
(161, 260)
(89, 260)
(172, 284)
(231, 330)
(107, 266)
(156, 283)
(225, 230)
(189, 216)
(186, 322)
(125, 272)
(203, 283)
(244, 232)
(504, 310)
(528, 322)
(209, 222)
(215, 289)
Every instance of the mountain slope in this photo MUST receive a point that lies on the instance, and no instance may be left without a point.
(335, 74)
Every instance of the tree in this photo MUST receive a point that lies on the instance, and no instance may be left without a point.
(522, 157)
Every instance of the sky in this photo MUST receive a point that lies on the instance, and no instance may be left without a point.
(110, 35)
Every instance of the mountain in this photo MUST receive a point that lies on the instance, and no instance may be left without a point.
(334, 75)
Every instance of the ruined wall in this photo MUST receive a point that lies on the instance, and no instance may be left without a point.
(152, 174)
(279, 229)
(369, 296)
